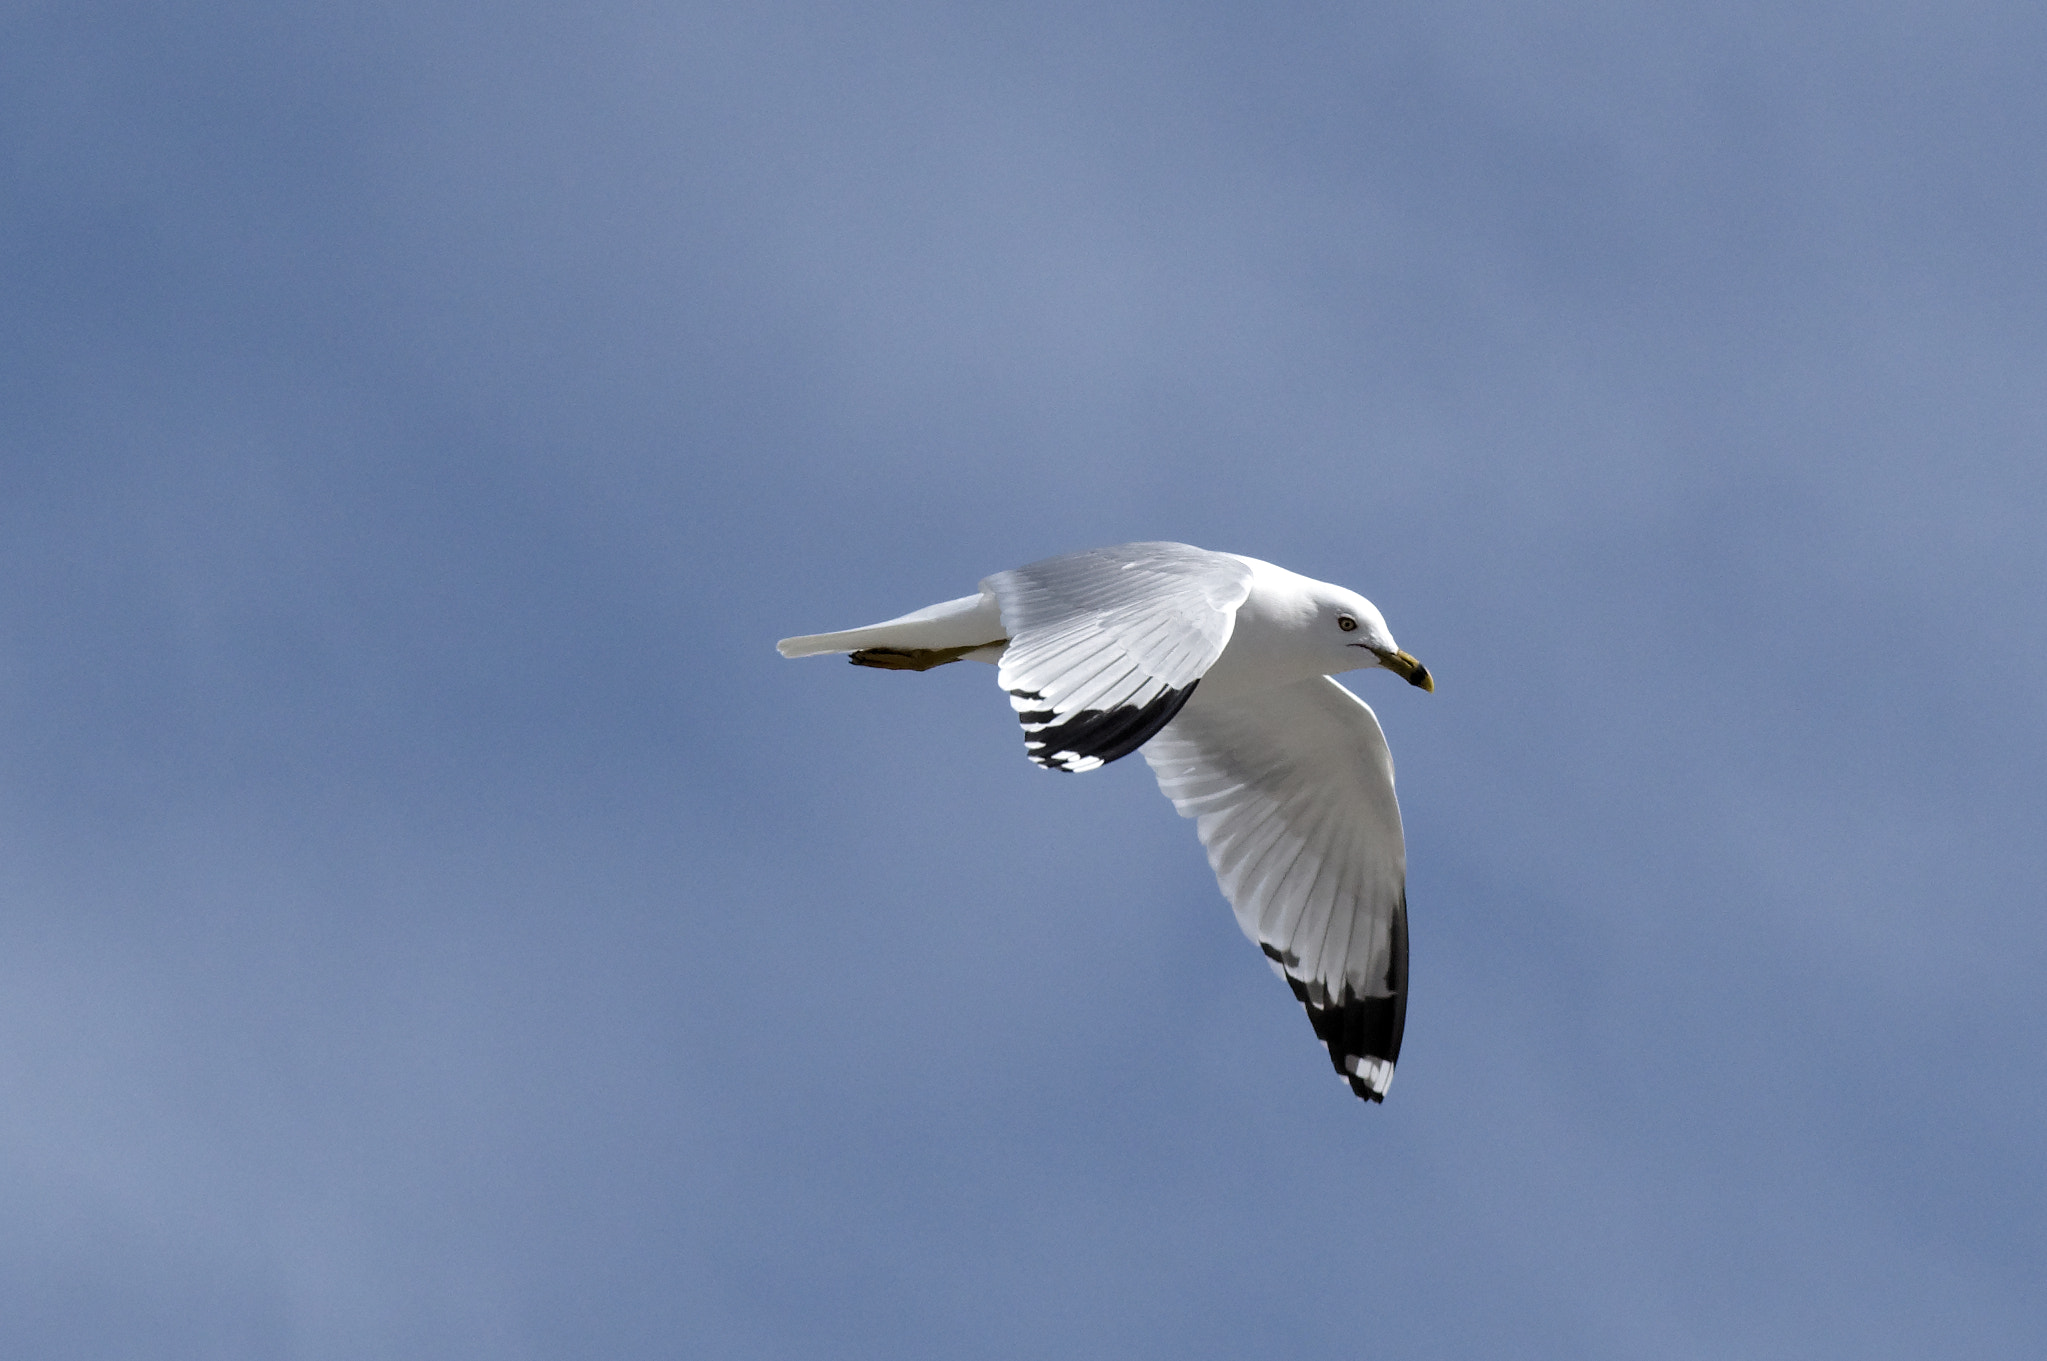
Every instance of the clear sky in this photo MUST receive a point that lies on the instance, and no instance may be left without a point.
(434, 923)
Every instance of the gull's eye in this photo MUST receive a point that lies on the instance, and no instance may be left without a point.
(1346, 623)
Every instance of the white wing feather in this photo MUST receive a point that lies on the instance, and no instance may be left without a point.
(1291, 790)
(1106, 645)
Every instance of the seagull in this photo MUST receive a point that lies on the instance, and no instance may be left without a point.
(1219, 668)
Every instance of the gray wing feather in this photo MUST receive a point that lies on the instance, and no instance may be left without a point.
(1106, 645)
(1291, 791)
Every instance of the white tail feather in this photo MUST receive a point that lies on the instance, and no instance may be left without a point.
(965, 622)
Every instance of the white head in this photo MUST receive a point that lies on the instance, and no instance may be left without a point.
(1291, 627)
(1349, 633)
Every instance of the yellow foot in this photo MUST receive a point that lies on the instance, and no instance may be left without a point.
(911, 658)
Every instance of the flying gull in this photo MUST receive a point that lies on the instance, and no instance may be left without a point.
(1219, 668)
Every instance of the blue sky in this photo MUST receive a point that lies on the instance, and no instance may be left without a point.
(434, 923)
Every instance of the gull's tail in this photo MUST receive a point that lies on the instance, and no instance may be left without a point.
(970, 627)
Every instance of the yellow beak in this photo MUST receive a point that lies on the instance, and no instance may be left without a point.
(1408, 669)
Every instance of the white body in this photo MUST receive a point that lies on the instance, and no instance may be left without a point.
(1217, 667)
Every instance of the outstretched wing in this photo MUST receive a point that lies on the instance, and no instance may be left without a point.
(1292, 792)
(1106, 645)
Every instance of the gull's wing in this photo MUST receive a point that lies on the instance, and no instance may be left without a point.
(1106, 645)
(1292, 793)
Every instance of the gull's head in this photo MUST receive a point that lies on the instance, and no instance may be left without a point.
(1349, 630)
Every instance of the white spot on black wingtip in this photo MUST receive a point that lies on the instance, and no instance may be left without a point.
(1369, 1078)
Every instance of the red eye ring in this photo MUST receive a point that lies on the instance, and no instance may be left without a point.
(1346, 623)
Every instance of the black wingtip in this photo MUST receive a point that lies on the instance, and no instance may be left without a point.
(1365, 1092)
(1362, 1034)
(1088, 738)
